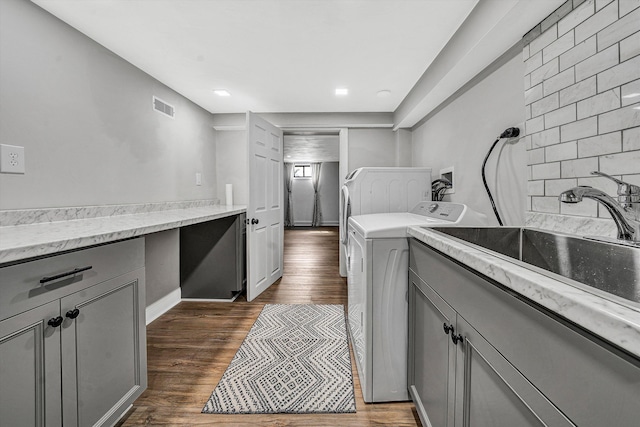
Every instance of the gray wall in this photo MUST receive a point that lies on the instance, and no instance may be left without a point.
(85, 119)
(461, 133)
(162, 262)
(403, 147)
(371, 147)
(231, 165)
(302, 195)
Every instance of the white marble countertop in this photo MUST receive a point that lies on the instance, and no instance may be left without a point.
(615, 322)
(21, 242)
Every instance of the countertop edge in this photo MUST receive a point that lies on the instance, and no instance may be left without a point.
(616, 323)
(22, 242)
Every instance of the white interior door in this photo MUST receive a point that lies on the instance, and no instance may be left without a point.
(265, 228)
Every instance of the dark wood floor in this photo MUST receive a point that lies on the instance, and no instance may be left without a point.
(189, 347)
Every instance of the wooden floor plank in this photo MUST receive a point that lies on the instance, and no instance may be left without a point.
(190, 347)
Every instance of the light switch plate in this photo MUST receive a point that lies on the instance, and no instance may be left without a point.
(11, 159)
(198, 178)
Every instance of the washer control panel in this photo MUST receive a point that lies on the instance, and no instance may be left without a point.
(439, 210)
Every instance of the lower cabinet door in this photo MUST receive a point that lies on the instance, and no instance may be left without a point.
(103, 350)
(491, 392)
(432, 355)
(30, 368)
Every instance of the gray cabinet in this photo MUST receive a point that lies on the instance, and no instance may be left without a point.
(79, 358)
(491, 392)
(30, 375)
(456, 378)
(518, 363)
(432, 384)
(103, 350)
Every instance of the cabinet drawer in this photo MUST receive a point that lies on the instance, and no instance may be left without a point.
(21, 290)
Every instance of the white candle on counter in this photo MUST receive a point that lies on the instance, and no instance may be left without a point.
(229, 194)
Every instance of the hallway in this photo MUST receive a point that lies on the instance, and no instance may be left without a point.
(189, 347)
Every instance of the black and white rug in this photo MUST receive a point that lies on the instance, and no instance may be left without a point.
(295, 359)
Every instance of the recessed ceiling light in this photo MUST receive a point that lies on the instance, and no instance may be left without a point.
(342, 91)
(383, 93)
(222, 92)
(632, 95)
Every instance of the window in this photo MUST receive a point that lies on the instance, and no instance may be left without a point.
(302, 171)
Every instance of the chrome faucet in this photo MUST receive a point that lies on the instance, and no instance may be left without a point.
(625, 211)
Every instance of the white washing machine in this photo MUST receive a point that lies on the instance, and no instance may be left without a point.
(377, 277)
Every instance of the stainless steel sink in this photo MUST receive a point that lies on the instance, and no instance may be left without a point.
(610, 268)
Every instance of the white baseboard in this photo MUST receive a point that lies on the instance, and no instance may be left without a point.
(232, 299)
(163, 305)
(309, 224)
(302, 223)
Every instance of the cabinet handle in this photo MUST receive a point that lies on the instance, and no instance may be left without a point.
(447, 328)
(72, 314)
(55, 321)
(254, 221)
(456, 338)
(68, 273)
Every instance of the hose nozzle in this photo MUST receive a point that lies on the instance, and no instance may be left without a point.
(510, 133)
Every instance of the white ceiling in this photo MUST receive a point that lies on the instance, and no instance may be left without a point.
(274, 55)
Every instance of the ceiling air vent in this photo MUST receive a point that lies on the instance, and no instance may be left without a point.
(162, 107)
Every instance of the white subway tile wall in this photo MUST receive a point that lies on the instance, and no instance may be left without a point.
(545, 171)
(546, 137)
(620, 74)
(631, 91)
(602, 144)
(553, 187)
(535, 125)
(559, 81)
(579, 52)
(560, 116)
(580, 129)
(627, 6)
(631, 139)
(578, 91)
(630, 47)
(582, 97)
(597, 22)
(606, 101)
(564, 151)
(625, 26)
(536, 156)
(602, 3)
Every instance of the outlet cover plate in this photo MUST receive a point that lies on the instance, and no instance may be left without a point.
(11, 159)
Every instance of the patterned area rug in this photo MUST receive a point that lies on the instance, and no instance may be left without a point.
(295, 359)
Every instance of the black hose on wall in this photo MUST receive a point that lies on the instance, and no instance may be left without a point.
(508, 133)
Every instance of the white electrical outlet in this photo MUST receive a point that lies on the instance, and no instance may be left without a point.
(198, 178)
(11, 159)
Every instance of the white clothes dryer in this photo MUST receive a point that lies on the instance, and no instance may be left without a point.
(371, 190)
(377, 277)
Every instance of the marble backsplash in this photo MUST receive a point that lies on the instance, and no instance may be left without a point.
(36, 216)
(582, 226)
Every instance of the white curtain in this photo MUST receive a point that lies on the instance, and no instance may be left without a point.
(315, 179)
(288, 182)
